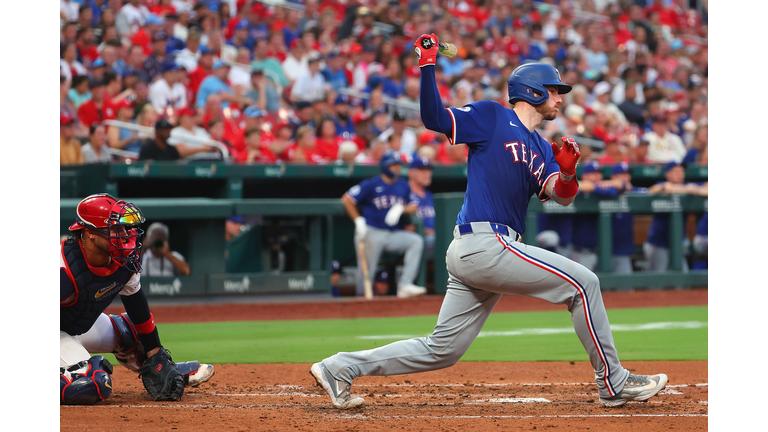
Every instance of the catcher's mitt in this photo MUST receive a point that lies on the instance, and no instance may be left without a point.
(161, 377)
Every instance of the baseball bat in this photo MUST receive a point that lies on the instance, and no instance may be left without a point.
(447, 49)
(364, 262)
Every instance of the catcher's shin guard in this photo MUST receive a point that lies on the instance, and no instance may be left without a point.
(128, 349)
(87, 388)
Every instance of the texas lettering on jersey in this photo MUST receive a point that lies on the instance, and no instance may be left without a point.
(523, 154)
(387, 201)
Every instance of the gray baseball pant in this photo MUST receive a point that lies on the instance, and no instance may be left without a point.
(398, 241)
(483, 266)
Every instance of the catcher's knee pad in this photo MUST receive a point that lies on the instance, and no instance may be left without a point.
(128, 347)
(87, 388)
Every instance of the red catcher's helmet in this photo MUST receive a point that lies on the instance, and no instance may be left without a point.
(119, 221)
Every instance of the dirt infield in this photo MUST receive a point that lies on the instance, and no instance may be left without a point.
(482, 396)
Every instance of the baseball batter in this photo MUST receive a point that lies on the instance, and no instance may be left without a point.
(99, 261)
(508, 163)
(383, 200)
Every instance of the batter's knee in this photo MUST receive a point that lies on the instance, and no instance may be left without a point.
(95, 385)
(446, 353)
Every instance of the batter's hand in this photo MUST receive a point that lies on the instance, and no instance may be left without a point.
(361, 228)
(568, 156)
(426, 49)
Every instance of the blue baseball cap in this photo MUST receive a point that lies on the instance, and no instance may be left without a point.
(671, 165)
(590, 167)
(342, 99)
(253, 112)
(236, 219)
(218, 64)
(153, 19)
(421, 162)
(98, 63)
(620, 168)
(242, 24)
(382, 276)
(205, 50)
(169, 66)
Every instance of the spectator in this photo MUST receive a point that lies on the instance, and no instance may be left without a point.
(69, 10)
(240, 72)
(273, 66)
(135, 63)
(217, 84)
(263, 93)
(98, 108)
(69, 64)
(85, 46)
(304, 150)
(281, 142)
(334, 73)
(373, 153)
(656, 247)
(190, 55)
(204, 68)
(112, 88)
(96, 150)
(168, 94)
(153, 64)
(215, 127)
(407, 135)
(295, 64)
(310, 84)
(147, 117)
(109, 54)
(664, 146)
(328, 141)
(66, 107)
(603, 103)
(123, 138)
(698, 145)
(79, 93)
(70, 149)
(345, 127)
(255, 151)
(189, 138)
(615, 152)
(347, 152)
(158, 148)
(633, 111)
(131, 17)
(158, 259)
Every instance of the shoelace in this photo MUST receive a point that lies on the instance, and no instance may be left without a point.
(637, 380)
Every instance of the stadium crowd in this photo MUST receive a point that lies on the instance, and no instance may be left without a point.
(337, 81)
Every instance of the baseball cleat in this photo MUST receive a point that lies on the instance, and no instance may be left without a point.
(201, 375)
(637, 388)
(337, 390)
(410, 290)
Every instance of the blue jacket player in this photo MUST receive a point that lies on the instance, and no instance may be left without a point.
(419, 179)
(376, 205)
(623, 223)
(508, 163)
(100, 262)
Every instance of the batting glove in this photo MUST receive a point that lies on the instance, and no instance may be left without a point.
(426, 49)
(393, 215)
(361, 228)
(568, 156)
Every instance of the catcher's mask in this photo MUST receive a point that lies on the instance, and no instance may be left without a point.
(119, 221)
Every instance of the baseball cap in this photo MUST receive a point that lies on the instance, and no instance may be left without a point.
(428, 137)
(590, 167)
(98, 63)
(205, 50)
(186, 111)
(242, 24)
(336, 267)
(314, 57)
(169, 66)
(219, 64)
(382, 276)
(125, 103)
(602, 88)
(253, 112)
(361, 116)
(160, 35)
(257, 71)
(611, 138)
(342, 99)
(153, 19)
(398, 116)
(355, 48)
(671, 165)
(421, 162)
(163, 124)
(620, 168)
(300, 105)
(236, 219)
(65, 119)
(95, 82)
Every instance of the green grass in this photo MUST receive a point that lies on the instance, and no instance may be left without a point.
(312, 340)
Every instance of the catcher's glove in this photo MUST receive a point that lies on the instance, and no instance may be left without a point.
(161, 377)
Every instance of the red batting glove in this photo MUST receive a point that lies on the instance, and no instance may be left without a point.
(568, 156)
(426, 48)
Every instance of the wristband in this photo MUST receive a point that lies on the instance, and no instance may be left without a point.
(566, 189)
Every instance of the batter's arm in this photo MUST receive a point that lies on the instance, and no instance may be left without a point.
(433, 114)
(549, 189)
(350, 207)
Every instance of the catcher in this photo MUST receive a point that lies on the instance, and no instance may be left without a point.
(99, 261)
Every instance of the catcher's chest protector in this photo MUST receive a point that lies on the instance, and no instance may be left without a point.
(93, 293)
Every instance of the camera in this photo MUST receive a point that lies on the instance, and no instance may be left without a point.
(158, 244)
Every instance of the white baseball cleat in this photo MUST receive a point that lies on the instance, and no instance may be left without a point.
(637, 388)
(201, 375)
(337, 390)
(410, 290)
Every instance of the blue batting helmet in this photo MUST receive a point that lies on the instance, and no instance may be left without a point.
(389, 158)
(534, 77)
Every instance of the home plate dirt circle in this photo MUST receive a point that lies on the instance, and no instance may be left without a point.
(487, 395)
